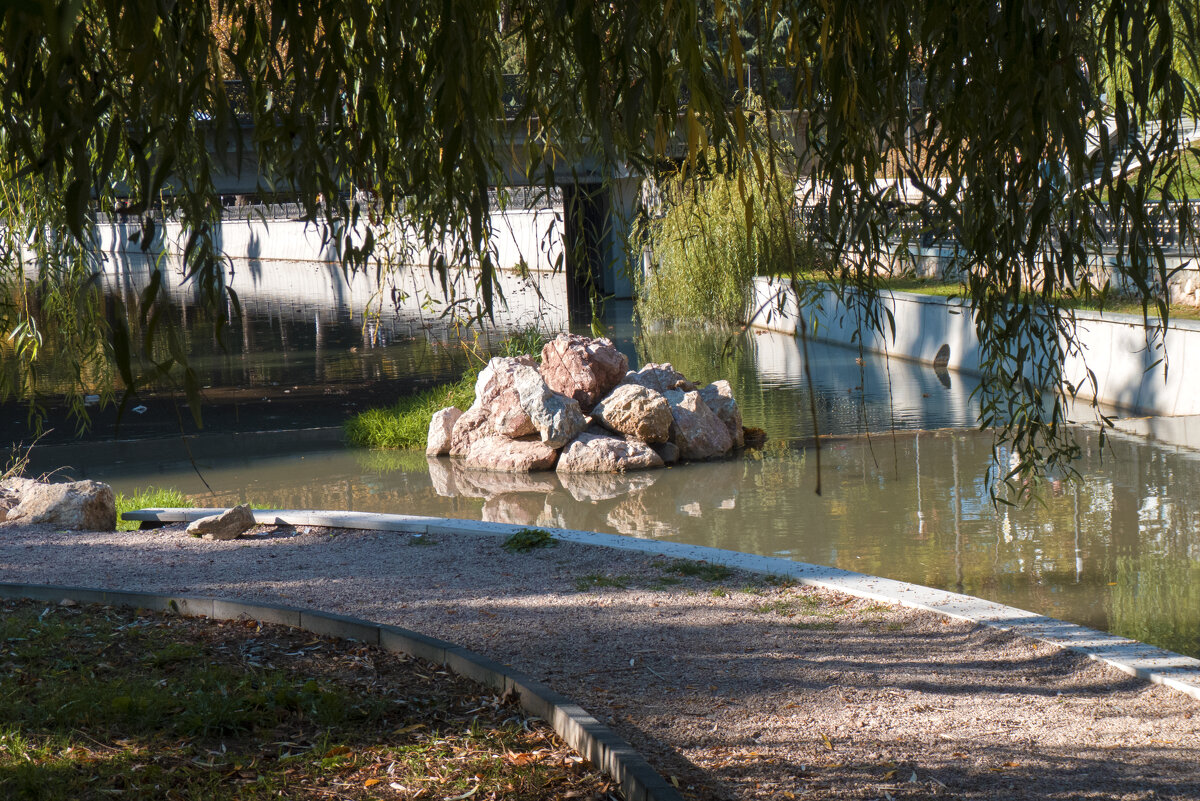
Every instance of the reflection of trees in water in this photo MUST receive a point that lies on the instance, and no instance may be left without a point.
(1156, 599)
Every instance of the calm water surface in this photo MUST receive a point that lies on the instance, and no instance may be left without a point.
(905, 489)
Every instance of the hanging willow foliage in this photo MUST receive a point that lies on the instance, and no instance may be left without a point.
(997, 107)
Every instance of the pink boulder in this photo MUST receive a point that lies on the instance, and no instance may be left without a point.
(510, 455)
(718, 396)
(441, 430)
(473, 425)
(636, 411)
(603, 453)
(698, 432)
(659, 377)
(582, 368)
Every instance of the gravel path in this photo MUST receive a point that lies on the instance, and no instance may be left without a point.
(741, 687)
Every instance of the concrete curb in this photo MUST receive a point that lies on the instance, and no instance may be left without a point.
(581, 731)
(1147, 662)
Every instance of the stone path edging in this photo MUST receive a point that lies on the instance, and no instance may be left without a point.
(1147, 662)
(591, 738)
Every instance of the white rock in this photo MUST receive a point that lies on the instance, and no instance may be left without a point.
(718, 396)
(697, 432)
(228, 525)
(511, 455)
(88, 505)
(603, 453)
(441, 429)
(636, 411)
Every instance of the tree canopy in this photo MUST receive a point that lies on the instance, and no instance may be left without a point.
(1004, 111)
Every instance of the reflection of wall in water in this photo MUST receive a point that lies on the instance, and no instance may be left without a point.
(865, 392)
(300, 290)
(311, 322)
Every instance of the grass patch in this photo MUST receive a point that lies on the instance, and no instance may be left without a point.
(821, 625)
(406, 424)
(104, 703)
(790, 606)
(1112, 303)
(662, 582)
(594, 581)
(529, 539)
(701, 570)
(718, 592)
(148, 498)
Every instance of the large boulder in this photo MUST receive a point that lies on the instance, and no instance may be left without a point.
(496, 391)
(473, 425)
(718, 396)
(510, 455)
(11, 490)
(520, 403)
(582, 368)
(697, 432)
(228, 525)
(87, 505)
(636, 411)
(603, 453)
(441, 429)
(659, 377)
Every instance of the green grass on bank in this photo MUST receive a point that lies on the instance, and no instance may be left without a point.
(406, 423)
(97, 702)
(148, 498)
(1110, 304)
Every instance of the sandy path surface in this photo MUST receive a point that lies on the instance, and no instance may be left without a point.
(739, 688)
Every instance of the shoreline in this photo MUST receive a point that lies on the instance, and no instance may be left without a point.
(742, 687)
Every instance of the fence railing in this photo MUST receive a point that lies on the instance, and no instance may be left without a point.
(1173, 227)
(251, 207)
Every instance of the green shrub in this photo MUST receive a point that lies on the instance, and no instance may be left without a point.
(148, 498)
(529, 340)
(709, 245)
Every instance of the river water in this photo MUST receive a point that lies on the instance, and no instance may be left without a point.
(905, 487)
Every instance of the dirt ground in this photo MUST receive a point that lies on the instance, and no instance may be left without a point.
(738, 686)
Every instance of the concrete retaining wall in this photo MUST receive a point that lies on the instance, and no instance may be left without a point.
(1113, 345)
(532, 237)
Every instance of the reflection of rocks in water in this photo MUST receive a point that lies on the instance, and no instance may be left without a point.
(565, 511)
(485, 484)
(441, 473)
(604, 486)
(632, 517)
(514, 508)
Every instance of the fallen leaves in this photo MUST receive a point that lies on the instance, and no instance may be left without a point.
(273, 707)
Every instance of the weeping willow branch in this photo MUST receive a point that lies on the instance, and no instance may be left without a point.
(1020, 121)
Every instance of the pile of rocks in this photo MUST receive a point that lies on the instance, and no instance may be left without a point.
(583, 411)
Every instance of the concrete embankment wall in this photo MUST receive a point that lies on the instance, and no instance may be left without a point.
(529, 237)
(1129, 375)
